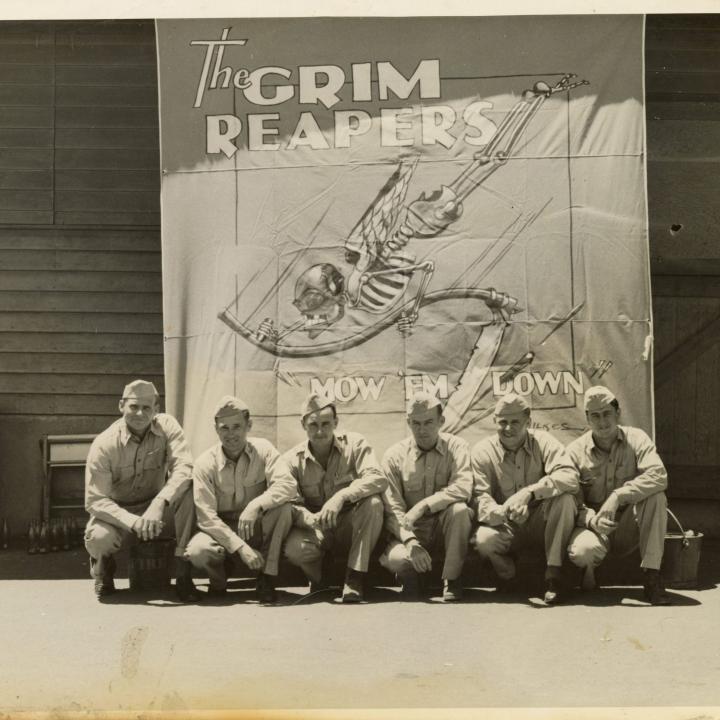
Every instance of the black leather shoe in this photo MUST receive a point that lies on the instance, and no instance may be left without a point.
(186, 591)
(452, 590)
(265, 589)
(653, 588)
(353, 591)
(411, 585)
(554, 593)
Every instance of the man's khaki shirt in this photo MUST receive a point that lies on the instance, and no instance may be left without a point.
(351, 466)
(222, 486)
(123, 470)
(632, 468)
(440, 476)
(541, 462)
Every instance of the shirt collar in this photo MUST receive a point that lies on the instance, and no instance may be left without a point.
(336, 445)
(620, 439)
(440, 447)
(126, 435)
(223, 459)
(526, 446)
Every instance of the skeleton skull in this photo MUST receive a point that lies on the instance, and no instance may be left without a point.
(320, 297)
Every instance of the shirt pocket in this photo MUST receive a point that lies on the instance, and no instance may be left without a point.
(625, 470)
(342, 480)
(154, 459)
(254, 484)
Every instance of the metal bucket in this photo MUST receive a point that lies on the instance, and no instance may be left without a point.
(149, 565)
(681, 557)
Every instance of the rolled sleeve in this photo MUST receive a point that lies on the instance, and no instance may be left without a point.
(98, 488)
(652, 475)
(488, 511)
(370, 478)
(394, 502)
(460, 483)
(282, 486)
(561, 475)
(179, 461)
(208, 519)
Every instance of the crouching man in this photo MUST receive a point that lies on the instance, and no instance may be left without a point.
(623, 482)
(137, 487)
(340, 483)
(429, 485)
(524, 494)
(240, 515)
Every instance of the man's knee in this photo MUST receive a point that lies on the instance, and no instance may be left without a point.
(201, 551)
(488, 541)
(654, 503)
(585, 549)
(102, 539)
(299, 551)
(395, 558)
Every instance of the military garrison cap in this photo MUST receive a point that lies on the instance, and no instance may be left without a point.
(314, 402)
(230, 405)
(421, 402)
(138, 389)
(597, 397)
(510, 404)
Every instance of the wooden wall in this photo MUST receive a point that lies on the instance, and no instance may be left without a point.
(80, 276)
(683, 138)
(80, 281)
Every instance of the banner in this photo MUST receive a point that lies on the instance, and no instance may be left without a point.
(369, 207)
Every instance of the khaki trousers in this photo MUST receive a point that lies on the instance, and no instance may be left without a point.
(550, 524)
(103, 539)
(358, 528)
(641, 525)
(449, 530)
(269, 533)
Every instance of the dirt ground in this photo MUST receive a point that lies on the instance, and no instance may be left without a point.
(62, 650)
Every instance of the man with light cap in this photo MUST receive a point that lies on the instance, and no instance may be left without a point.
(524, 494)
(623, 482)
(340, 483)
(138, 479)
(239, 513)
(429, 484)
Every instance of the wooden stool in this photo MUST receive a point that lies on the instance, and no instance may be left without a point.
(149, 566)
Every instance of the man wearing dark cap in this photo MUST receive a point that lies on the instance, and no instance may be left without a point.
(623, 482)
(239, 513)
(137, 486)
(429, 485)
(340, 483)
(525, 486)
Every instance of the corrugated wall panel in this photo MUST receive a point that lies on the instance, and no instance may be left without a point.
(683, 131)
(80, 279)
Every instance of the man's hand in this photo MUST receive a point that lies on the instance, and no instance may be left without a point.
(328, 515)
(604, 521)
(414, 514)
(419, 556)
(516, 506)
(150, 524)
(252, 558)
(247, 520)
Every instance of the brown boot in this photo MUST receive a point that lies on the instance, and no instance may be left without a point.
(102, 571)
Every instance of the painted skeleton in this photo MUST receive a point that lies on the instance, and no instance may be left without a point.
(376, 248)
